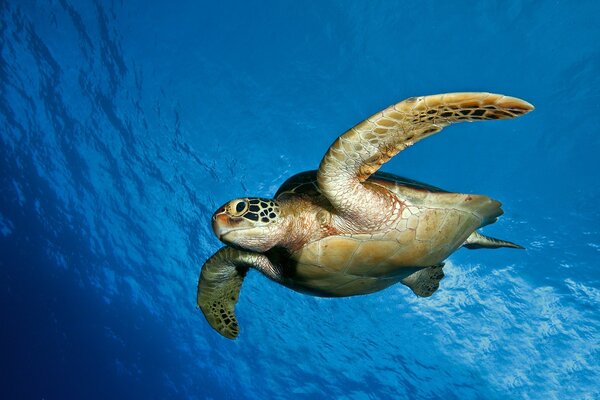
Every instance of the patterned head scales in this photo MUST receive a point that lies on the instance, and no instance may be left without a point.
(254, 209)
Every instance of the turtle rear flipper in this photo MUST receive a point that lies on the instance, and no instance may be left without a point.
(219, 286)
(479, 241)
(425, 281)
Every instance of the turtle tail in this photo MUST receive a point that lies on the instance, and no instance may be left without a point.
(479, 241)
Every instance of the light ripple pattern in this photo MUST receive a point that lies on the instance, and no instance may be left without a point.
(124, 125)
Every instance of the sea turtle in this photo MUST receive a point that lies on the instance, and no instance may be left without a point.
(346, 229)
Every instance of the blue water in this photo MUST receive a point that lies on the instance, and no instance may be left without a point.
(125, 124)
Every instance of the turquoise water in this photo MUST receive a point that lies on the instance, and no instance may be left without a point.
(124, 125)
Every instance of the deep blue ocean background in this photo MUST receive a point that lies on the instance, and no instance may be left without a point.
(125, 124)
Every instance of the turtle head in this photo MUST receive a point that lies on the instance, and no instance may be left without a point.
(250, 223)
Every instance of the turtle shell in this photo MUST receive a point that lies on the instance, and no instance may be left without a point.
(432, 225)
(306, 183)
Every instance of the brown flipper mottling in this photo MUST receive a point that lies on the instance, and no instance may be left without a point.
(219, 286)
(361, 151)
(425, 281)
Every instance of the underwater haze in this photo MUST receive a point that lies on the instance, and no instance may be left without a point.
(126, 124)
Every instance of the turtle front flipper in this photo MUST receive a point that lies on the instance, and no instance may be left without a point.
(361, 151)
(219, 286)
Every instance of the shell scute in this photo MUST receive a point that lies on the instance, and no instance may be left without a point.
(370, 253)
(334, 252)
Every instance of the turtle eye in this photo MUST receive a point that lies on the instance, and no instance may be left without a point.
(239, 207)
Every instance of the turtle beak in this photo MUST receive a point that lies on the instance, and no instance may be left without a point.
(220, 222)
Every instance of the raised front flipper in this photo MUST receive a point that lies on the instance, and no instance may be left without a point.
(425, 281)
(219, 286)
(361, 151)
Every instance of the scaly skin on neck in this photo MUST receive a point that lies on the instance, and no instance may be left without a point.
(302, 221)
